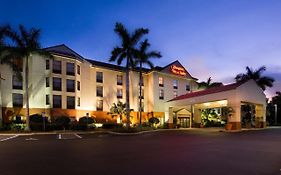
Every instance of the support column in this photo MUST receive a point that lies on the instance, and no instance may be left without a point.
(169, 115)
(235, 119)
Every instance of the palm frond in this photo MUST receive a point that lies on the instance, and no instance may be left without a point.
(122, 33)
(138, 33)
(115, 53)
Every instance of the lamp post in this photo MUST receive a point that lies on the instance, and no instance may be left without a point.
(275, 111)
(1, 101)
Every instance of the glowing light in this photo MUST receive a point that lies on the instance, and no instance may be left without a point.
(222, 102)
(178, 70)
(207, 104)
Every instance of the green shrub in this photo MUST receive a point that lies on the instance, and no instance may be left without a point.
(36, 123)
(62, 122)
(111, 125)
(17, 127)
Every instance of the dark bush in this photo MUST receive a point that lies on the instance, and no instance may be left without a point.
(111, 125)
(62, 122)
(86, 120)
(36, 122)
(154, 120)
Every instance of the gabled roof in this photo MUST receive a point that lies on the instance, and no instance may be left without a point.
(63, 50)
(162, 69)
(209, 91)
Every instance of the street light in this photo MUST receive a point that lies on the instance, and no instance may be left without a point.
(275, 113)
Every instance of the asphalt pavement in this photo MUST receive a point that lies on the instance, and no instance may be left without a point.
(166, 152)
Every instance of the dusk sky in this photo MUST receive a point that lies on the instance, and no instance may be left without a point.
(216, 38)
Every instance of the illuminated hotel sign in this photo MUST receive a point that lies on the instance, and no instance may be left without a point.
(178, 70)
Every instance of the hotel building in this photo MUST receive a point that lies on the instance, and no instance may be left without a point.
(71, 85)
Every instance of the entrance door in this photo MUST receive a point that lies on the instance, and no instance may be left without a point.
(184, 122)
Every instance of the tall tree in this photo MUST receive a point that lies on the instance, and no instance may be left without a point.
(118, 110)
(256, 75)
(208, 84)
(143, 57)
(25, 43)
(125, 52)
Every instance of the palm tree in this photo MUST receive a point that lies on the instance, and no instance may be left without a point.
(125, 52)
(25, 43)
(262, 81)
(143, 57)
(118, 110)
(208, 84)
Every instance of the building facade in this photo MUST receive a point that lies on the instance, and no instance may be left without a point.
(71, 85)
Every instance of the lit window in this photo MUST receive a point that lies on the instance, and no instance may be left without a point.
(70, 102)
(56, 84)
(99, 105)
(119, 93)
(56, 101)
(70, 85)
(47, 99)
(175, 84)
(78, 69)
(17, 82)
(78, 85)
(175, 93)
(47, 82)
(17, 100)
(70, 69)
(99, 77)
(47, 64)
(119, 80)
(161, 94)
(99, 91)
(161, 81)
(57, 67)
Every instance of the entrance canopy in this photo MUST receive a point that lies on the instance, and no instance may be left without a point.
(232, 95)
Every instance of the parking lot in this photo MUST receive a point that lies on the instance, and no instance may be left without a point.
(165, 152)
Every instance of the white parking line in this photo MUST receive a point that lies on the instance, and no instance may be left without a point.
(9, 138)
(78, 136)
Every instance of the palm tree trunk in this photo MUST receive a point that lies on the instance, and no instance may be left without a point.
(140, 97)
(128, 94)
(27, 94)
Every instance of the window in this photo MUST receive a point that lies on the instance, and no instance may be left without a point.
(161, 81)
(99, 91)
(17, 100)
(56, 84)
(141, 82)
(99, 77)
(78, 85)
(161, 94)
(70, 102)
(175, 93)
(187, 87)
(17, 82)
(47, 64)
(47, 82)
(70, 69)
(119, 80)
(18, 65)
(47, 99)
(119, 93)
(99, 105)
(78, 69)
(70, 85)
(57, 67)
(56, 101)
(175, 84)
(78, 101)
(142, 106)
(142, 93)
